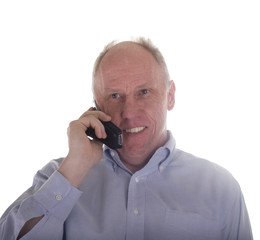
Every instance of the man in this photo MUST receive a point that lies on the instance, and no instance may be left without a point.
(148, 189)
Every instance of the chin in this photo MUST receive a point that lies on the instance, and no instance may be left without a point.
(136, 151)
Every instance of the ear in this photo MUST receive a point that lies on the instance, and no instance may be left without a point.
(171, 96)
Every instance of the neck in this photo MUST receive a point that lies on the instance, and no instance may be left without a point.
(136, 161)
(134, 167)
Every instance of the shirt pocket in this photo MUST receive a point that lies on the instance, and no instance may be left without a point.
(189, 226)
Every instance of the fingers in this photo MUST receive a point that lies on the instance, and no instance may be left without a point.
(92, 118)
(92, 122)
(98, 114)
(87, 112)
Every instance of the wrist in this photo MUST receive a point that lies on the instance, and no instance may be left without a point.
(74, 171)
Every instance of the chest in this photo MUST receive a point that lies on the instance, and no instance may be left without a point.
(136, 208)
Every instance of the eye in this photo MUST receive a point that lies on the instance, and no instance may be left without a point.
(115, 95)
(144, 91)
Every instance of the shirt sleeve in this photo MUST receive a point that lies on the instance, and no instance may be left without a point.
(238, 226)
(52, 196)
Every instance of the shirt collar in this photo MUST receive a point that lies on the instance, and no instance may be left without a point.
(160, 159)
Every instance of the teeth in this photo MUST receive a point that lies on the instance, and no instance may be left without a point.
(135, 130)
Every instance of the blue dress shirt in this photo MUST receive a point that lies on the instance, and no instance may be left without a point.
(175, 196)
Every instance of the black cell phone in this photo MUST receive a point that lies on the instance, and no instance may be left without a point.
(114, 138)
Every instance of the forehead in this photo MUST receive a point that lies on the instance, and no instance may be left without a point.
(129, 63)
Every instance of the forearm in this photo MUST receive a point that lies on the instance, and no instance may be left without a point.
(28, 226)
(74, 172)
(53, 200)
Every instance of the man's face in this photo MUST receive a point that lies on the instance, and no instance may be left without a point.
(130, 87)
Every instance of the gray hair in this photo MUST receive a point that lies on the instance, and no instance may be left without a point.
(143, 42)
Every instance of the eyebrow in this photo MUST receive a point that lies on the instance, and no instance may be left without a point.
(142, 86)
(145, 85)
(112, 90)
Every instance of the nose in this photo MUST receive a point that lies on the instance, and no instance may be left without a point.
(130, 108)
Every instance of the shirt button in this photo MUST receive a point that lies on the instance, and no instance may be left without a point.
(137, 179)
(58, 197)
(112, 154)
(136, 212)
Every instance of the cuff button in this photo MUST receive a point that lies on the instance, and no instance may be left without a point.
(58, 197)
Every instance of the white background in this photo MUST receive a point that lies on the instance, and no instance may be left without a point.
(47, 50)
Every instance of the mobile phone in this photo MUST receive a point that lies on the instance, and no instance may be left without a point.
(114, 138)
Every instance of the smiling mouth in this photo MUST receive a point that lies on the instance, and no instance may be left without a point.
(135, 130)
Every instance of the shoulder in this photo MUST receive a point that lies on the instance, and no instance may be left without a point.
(206, 183)
(203, 171)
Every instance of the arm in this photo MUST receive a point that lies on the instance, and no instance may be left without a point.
(244, 229)
(42, 209)
(28, 226)
(83, 153)
(238, 223)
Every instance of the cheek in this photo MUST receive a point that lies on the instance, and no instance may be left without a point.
(157, 115)
(114, 113)
(160, 120)
(152, 111)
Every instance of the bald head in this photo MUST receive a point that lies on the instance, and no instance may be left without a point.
(141, 48)
(123, 51)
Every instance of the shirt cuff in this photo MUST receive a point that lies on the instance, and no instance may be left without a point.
(57, 196)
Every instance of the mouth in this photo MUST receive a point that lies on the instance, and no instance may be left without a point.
(134, 130)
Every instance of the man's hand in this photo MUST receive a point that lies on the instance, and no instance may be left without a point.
(83, 152)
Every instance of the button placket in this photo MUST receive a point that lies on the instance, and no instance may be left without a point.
(135, 206)
(136, 212)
